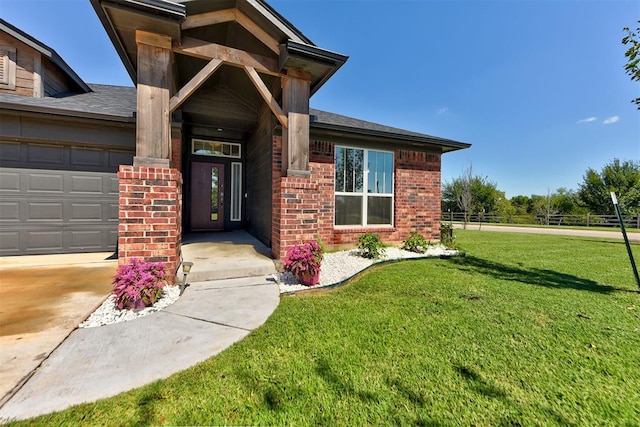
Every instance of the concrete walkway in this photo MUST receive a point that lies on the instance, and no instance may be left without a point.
(95, 363)
(617, 234)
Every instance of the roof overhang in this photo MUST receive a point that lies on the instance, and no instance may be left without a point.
(320, 63)
(62, 112)
(382, 139)
(121, 19)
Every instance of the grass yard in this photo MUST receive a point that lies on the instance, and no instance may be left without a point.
(525, 330)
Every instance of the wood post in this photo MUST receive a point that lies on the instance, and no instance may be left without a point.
(153, 123)
(295, 138)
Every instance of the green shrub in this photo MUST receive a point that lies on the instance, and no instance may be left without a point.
(447, 237)
(371, 246)
(415, 243)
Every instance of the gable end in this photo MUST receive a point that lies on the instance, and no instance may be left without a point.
(7, 68)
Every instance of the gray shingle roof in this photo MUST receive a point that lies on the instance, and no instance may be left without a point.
(324, 120)
(117, 102)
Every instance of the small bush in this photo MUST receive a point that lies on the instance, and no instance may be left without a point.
(139, 284)
(447, 237)
(371, 246)
(415, 243)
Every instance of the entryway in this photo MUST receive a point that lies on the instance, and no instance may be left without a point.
(225, 255)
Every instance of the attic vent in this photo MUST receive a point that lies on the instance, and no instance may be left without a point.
(7, 68)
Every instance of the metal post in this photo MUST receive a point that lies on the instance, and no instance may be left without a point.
(626, 239)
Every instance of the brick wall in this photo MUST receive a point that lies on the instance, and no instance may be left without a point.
(150, 215)
(295, 207)
(303, 208)
(417, 193)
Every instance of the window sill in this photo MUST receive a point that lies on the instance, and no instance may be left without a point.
(363, 227)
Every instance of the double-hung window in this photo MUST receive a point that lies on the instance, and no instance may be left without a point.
(363, 187)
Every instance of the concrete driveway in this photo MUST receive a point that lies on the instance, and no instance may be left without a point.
(42, 299)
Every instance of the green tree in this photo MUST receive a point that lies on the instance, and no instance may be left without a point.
(565, 201)
(622, 177)
(632, 67)
(522, 204)
(457, 194)
(471, 193)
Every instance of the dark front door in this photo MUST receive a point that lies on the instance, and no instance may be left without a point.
(207, 196)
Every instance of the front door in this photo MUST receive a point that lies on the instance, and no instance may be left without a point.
(207, 196)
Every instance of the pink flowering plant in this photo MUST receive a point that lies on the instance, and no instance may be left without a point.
(138, 284)
(303, 259)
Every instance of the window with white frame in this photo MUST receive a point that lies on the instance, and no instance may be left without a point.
(363, 187)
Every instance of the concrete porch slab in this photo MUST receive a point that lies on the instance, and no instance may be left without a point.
(225, 255)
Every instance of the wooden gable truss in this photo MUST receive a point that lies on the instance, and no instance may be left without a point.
(154, 53)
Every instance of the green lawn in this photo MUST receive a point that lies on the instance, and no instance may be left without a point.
(524, 330)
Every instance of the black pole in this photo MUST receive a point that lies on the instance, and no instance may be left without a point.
(626, 238)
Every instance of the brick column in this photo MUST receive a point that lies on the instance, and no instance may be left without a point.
(295, 214)
(150, 212)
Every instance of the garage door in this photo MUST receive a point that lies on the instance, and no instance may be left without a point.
(58, 207)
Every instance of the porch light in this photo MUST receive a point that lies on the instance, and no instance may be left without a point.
(186, 268)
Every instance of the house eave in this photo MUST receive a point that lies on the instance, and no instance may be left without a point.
(285, 26)
(161, 10)
(35, 109)
(320, 62)
(380, 137)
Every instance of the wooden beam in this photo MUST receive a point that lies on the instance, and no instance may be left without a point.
(258, 32)
(267, 96)
(152, 39)
(194, 84)
(295, 139)
(210, 18)
(236, 57)
(153, 118)
(229, 15)
(299, 74)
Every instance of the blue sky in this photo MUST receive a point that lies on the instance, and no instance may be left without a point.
(537, 87)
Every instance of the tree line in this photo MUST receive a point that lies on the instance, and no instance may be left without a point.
(477, 194)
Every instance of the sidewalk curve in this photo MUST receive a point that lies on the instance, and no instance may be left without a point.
(95, 363)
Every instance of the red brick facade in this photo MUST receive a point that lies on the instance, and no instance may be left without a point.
(150, 213)
(303, 208)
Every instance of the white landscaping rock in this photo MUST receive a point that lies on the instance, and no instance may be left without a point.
(108, 313)
(339, 266)
(336, 267)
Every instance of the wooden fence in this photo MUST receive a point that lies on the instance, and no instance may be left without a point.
(585, 220)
